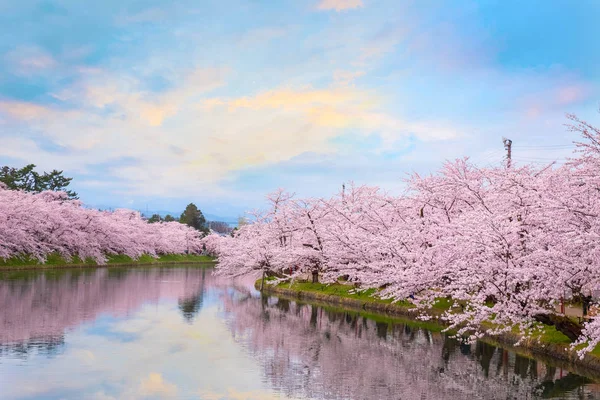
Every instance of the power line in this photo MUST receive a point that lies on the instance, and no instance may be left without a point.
(540, 162)
(551, 146)
(540, 158)
(487, 156)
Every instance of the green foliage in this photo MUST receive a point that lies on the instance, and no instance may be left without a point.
(28, 180)
(154, 218)
(169, 218)
(193, 217)
(443, 303)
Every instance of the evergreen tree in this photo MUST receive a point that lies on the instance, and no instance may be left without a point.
(193, 217)
(154, 218)
(28, 180)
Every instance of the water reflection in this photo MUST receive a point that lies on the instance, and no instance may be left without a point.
(38, 307)
(308, 351)
(191, 306)
(181, 333)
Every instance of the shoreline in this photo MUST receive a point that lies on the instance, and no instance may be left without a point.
(553, 353)
(133, 263)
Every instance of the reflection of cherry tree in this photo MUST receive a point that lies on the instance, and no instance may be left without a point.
(45, 305)
(308, 351)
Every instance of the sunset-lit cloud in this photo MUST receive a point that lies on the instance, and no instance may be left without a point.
(180, 135)
(23, 111)
(155, 385)
(339, 5)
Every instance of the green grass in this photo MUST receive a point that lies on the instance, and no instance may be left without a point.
(551, 335)
(342, 290)
(443, 304)
(347, 291)
(369, 295)
(113, 259)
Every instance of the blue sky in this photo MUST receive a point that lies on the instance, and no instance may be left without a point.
(156, 104)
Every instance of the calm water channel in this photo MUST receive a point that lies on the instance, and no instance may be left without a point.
(152, 333)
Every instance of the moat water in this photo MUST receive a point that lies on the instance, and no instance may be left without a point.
(181, 333)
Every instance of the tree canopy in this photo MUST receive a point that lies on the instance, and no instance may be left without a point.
(169, 218)
(39, 224)
(193, 217)
(154, 218)
(28, 180)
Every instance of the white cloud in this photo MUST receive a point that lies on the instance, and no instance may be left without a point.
(339, 5)
(185, 142)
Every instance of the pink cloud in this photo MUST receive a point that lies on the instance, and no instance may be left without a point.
(30, 60)
(571, 94)
(554, 98)
(22, 110)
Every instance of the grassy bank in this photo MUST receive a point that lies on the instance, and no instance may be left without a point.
(551, 345)
(56, 261)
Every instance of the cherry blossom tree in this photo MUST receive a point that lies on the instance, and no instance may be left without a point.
(36, 225)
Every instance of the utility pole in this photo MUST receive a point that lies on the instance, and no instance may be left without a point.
(508, 148)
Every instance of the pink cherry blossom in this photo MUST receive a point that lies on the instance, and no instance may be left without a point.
(37, 225)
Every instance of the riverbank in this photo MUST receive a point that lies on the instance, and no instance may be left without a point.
(552, 346)
(56, 261)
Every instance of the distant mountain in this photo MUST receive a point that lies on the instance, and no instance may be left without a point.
(229, 220)
(209, 217)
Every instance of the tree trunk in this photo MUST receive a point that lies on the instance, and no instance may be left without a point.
(315, 276)
(563, 324)
(262, 282)
(585, 304)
